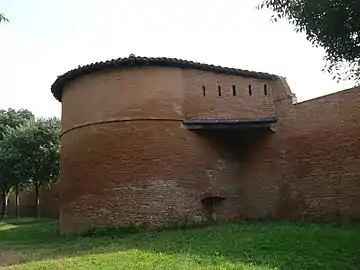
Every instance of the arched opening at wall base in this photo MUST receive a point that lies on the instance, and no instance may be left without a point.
(210, 206)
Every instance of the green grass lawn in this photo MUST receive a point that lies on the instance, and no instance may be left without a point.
(30, 244)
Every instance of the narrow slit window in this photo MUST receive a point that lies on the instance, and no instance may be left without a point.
(250, 90)
(265, 89)
(219, 90)
(234, 90)
(204, 91)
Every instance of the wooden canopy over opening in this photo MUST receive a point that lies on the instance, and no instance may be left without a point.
(242, 124)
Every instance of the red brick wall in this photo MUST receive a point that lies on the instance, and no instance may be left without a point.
(49, 205)
(136, 172)
(226, 106)
(137, 93)
(126, 158)
(132, 161)
(321, 154)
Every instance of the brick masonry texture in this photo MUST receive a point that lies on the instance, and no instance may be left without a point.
(127, 158)
(49, 202)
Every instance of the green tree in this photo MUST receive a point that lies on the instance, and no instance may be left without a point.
(13, 118)
(3, 18)
(331, 24)
(46, 158)
(12, 173)
(34, 150)
(9, 119)
(5, 185)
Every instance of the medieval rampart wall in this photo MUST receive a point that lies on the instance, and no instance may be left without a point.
(321, 153)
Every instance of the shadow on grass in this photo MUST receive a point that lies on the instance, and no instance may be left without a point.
(275, 245)
(22, 221)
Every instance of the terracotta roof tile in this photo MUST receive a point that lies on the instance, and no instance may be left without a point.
(132, 60)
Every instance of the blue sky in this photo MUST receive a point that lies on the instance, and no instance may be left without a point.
(46, 38)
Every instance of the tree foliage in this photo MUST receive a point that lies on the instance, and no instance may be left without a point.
(9, 119)
(13, 118)
(37, 143)
(32, 151)
(331, 24)
(29, 151)
(3, 18)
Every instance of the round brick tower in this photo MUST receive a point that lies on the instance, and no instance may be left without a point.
(126, 156)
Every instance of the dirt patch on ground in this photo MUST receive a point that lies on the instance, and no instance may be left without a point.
(11, 257)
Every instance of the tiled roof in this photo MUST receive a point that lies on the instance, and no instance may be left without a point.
(132, 60)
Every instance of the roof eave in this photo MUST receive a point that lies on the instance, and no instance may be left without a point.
(132, 61)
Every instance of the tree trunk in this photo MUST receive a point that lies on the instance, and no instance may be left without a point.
(17, 201)
(37, 202)
(3, 205)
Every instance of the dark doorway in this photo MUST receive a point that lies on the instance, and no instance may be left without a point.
(210, 205)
